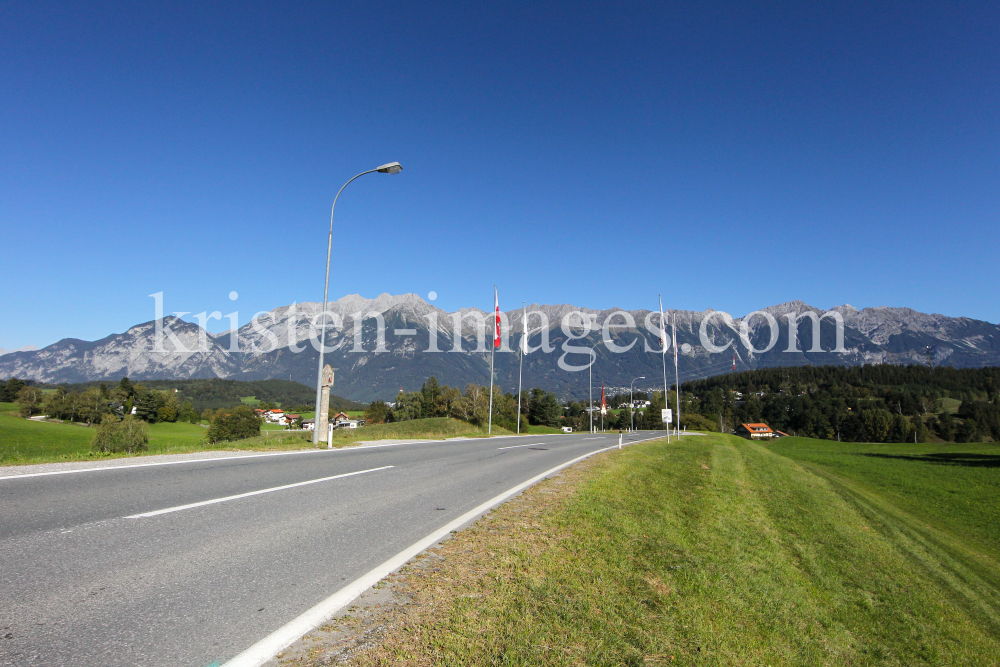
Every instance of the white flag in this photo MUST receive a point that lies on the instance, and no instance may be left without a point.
(524, 329)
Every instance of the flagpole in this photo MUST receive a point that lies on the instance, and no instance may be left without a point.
(493, 353)
(677, 379)
(604, 407)
(520, 364)
(666, 394)
(591, 370)
(489, 431)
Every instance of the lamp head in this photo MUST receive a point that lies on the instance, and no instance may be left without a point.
(391, 168)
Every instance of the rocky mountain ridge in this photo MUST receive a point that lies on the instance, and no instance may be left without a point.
(418, 340)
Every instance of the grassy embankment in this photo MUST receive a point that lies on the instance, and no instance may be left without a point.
(718, 551)
(23, 441)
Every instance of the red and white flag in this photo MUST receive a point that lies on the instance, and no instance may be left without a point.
(604, 406)
(496, 320)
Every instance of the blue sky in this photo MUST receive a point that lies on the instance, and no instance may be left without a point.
(729, 155)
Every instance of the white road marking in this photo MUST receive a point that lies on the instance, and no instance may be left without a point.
(164, 463)
(244, 456)
(285, 636)
(516, 446)
(600, 437)
(251, 493)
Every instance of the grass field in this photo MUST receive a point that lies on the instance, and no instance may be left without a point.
(23, 441)
(715, 551)
(437, 428)
(951, 486)
(950, 405)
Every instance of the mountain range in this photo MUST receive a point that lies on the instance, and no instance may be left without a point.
(368, 368)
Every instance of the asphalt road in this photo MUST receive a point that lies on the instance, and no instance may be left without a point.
(91, 573)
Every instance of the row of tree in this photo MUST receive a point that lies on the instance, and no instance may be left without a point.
(92, 404)
(537, 406)
(883, 403)
(437, 400)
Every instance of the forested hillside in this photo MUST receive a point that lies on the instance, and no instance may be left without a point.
(879, 403)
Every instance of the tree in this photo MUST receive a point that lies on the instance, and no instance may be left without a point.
(238, 423)
(877, 423)
(944, 425)
(170, 409)
(29, 400)
(543, 408)
(148, 404)
(93, 405)
(968, 431)
(126, 386)
(9, 390)
(900, 431)
(430, 395)
(378, 413)
(408, 406)
(188, 413)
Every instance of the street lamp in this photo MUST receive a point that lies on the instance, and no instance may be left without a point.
(590, 369)
(631, 401)
(390, 168)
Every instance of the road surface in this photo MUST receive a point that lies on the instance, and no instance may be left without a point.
(190, 563)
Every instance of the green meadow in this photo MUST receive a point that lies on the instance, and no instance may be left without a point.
(952, 487)
(719, 551)
(23, 441)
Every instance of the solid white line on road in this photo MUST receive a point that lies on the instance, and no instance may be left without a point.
(285, 636)
(516, 446)
(600, 437)
(235, 457)
(251, 493)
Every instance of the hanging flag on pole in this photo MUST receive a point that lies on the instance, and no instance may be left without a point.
(524, 329)
(496, 316)
(604, 406)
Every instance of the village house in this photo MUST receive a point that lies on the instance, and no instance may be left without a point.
(755, 431)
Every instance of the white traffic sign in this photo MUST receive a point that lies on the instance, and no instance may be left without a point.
(667, 415)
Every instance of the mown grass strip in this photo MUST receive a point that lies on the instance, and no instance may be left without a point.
(714, 551)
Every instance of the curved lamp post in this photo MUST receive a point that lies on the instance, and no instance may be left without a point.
(590, 369)
(631, 410)
(390, 168)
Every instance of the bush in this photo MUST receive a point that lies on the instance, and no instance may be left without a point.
(697, 422)
(238, 423)
(129, 435)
